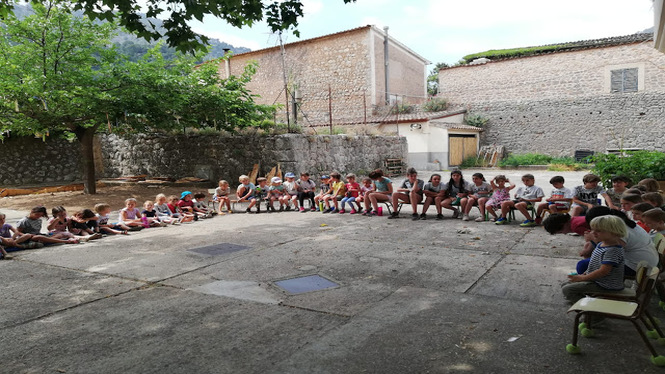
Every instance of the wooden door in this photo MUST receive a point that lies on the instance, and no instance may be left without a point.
(461, 147)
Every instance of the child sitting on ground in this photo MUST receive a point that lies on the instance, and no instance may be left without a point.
(186, 204)
(586, 196)
(245, 192)
(335, 194)
(606, 266)
(305, 188)
(291, 191)
(352, 192)
(59, 224)
(558, 202)
(262, 194)
(32, 224)
(105, 227)
(84, 224)
(620, 184)
(222, 197)
(150, 215)
(323, 190)
(164, 212)
(11, 237)
(201, 206)
(525, 197)
(479, 192)
(655, 221)
(637, 211)
(276, 191)
(130, 215)
(173, 201)
(500, 194)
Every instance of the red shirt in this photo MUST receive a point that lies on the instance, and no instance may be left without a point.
(578, 225)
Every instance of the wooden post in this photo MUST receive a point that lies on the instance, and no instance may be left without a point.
(330, 108)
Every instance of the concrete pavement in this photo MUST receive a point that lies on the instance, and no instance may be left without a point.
(413, 297)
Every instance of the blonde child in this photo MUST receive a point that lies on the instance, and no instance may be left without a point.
(586, 196)
(291, 191)
(365, 188)
(655, 221)
(245, 192)
(558, 201)
(352, 192)
(606, 266)
(276, 191)
(323, 190)
(500, 195)
(173, 201)
(149, 214)
(131, 216)
(103, 213)
(222, 197)
(335, 194)
(479, 192)
(164, 212)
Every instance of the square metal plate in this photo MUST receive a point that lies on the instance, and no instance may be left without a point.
(304, 284)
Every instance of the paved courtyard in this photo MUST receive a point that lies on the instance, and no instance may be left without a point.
(408, 297)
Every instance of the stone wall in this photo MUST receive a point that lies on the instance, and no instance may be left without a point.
(204, 156)
(561, 102)
(349, 62)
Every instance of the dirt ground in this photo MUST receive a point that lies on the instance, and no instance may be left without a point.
(113, 195)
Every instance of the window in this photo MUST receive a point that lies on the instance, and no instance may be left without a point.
(624, 80)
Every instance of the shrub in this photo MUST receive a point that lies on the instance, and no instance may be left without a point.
(402, 109)
(635, 165)
(526, 159)
(435, 105)
(473, 162)
(476, 120)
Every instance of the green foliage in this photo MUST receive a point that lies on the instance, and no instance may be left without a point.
(435, 105)
(326, 131)
(433, 78)
(279, 15)
(525, 159)
(514, 52)
(475, 120)
(636, 165)
(473, 162)
(400, 108)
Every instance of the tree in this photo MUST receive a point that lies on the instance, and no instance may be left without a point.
(58, 76)
(433, 78)
(280, 16)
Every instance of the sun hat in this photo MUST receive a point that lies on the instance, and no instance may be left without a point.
(275, 180)
(325, 176)
(185, 193)
(289, 175)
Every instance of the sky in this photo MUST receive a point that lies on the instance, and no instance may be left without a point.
(447, 30)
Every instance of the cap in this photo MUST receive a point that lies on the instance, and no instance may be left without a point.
(289, 175)
(325, 177)
(275, 180)
(185, 193)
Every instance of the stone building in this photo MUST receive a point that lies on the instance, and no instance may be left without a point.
(348, 67)
(599, 95)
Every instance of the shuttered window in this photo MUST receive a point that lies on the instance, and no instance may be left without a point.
(624, 80)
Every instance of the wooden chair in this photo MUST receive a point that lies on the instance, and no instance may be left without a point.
(633, 311)
(659, 242)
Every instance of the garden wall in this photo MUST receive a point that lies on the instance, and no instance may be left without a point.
(31, 162)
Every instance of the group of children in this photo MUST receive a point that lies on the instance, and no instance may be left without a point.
(86, 224)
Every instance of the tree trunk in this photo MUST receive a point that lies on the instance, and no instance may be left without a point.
(85, 137)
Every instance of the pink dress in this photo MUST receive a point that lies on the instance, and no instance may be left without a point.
(500, 195)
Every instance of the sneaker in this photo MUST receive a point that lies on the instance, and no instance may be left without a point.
(353, 211)
(327, 210)
(415, 217)
(423, 217)
(281, 208)
(302, 210)
(288, 208)
(342, 211)
(313, 209)
(95, 236)
(456, 213)
(539, 220)
(247, 210)
(333, 210)
(493, 219)
(501, 221)
(465, 217)
(528, 223)
(367, 212)
(393, 215)
(480, 219)
(258, 211)
(439, 216)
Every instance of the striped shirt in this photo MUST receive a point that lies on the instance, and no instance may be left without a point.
(612, 255)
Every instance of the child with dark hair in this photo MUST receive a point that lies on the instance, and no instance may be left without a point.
(410, 192)
(500, 194)
(201, 206)
(83, 223)
(627, 202)
(11, 237)
(335, 194)
(586, 196)
(352, 193)
(433, 192)
(457, 190)
(559, 200)
(650, 184)
(305, 188)
(655, 220)
(620, 184)
(32, 224)
(479, 192)
(383, 190)
(637, 211)
(261, 193)
(653, 198)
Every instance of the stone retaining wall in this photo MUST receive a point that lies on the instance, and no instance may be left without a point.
(32, 162)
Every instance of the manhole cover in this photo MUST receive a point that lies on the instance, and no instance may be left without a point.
(305, 284)
(219, 249)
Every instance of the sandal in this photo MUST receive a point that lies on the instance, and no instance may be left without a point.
(124, 232)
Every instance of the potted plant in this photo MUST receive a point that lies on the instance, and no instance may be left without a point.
(636, 165)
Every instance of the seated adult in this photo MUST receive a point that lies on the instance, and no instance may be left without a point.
(637, 243)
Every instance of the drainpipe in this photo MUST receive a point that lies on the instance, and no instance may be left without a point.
(385, 62)
(227, 62)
